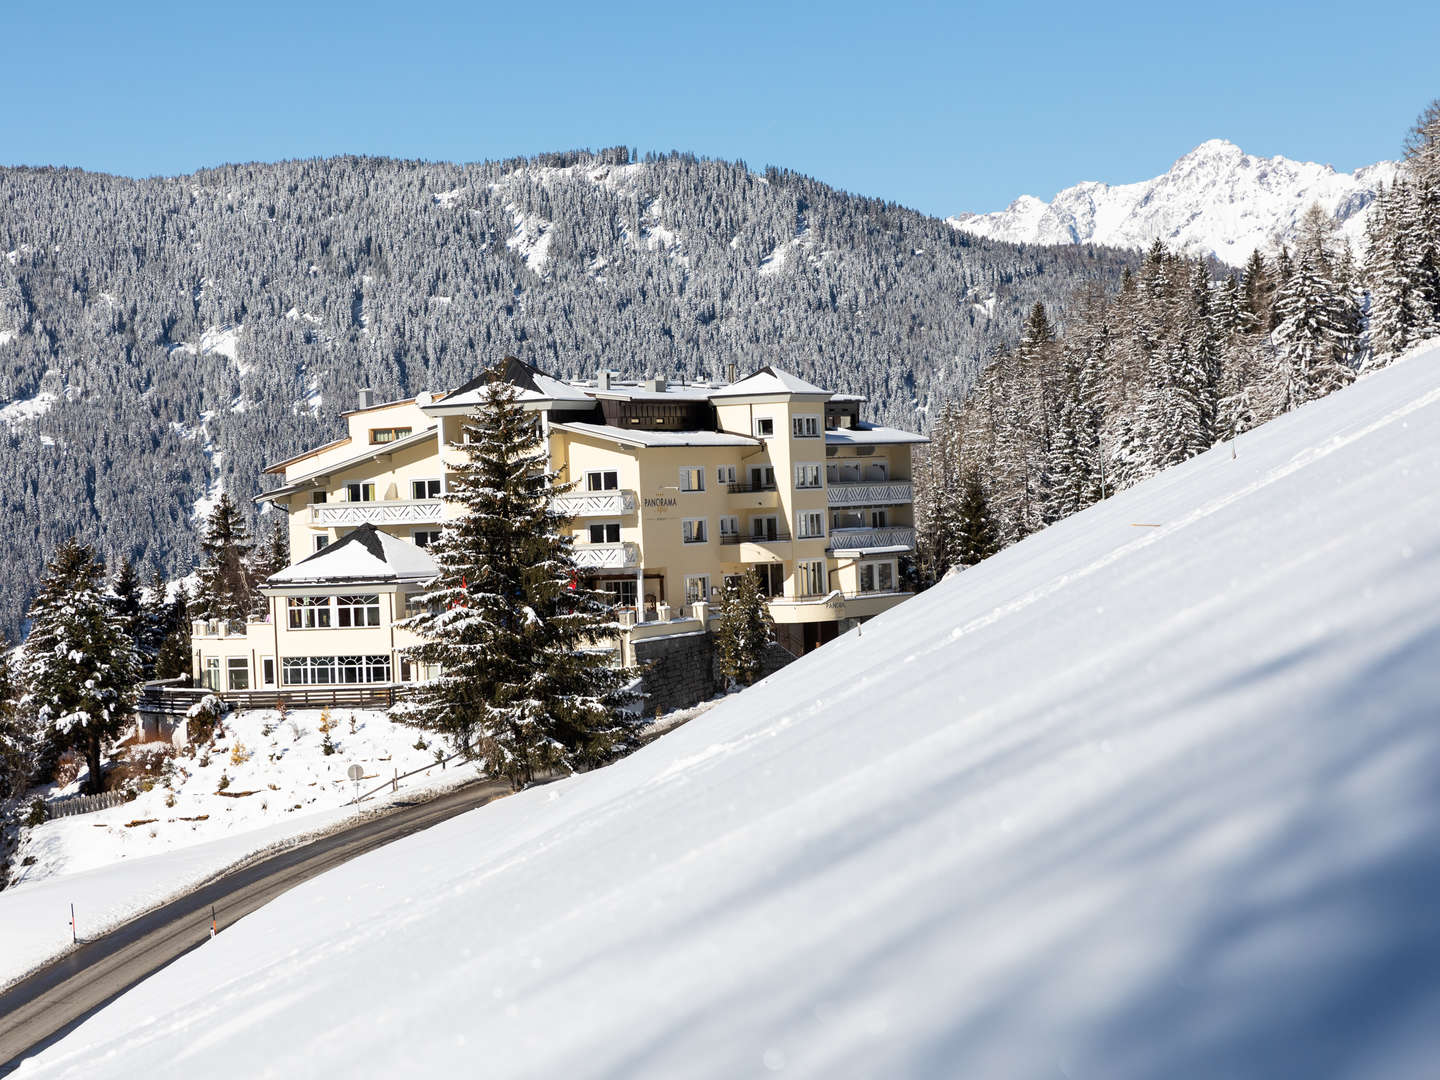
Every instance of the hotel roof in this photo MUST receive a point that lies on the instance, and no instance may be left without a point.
(365, 555)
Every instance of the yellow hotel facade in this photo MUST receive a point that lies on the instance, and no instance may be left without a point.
(676, 488)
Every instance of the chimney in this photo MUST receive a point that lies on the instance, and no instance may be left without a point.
(602, 380)
(732, 372)
(367, 398)
(656, 385)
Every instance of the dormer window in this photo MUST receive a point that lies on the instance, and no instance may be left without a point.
(388, 434)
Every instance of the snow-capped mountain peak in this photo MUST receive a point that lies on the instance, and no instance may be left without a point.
(1216, 200)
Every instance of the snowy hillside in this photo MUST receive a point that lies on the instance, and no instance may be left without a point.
(1215, 200)
(1153, 793)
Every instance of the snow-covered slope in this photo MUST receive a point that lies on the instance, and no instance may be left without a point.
(1215, 200)
(1153, 793)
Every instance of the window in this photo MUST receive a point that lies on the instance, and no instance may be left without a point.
(730, 582)
(809, 524)
(764, 427)
(602, 480)
(772, 578)
(806, 427)
(692, 531)
(879, 519)
(320, 542)
(388, 434)
(237, 673)
(877, 472)
(807, 476)
(605, 532)
(762, 477)
(809, 577)
(309, 612)
(832, 422)
(877, 576)
(415, 604)
(765, 528)
(729, 526)
(725, 474)
(620, 592)
(318, 497)
(211, 678)
(327, 670)
(423, 538)
(424, 489)
(360, 492)
(692, 478)
(697, 587)
(267, 670)
(360, 610)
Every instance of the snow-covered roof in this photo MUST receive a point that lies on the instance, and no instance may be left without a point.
(769, 380)
(532, 384)
(871, 435)
(367, 554)
(378, 450)
(633, 437)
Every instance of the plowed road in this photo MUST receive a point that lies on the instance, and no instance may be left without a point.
(44, 1006)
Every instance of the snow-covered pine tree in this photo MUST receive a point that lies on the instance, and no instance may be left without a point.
(125, 591)
(977, 536)
(1398, 311)
(509, 629)
(270, 556)
(743, 630)
(173, 659)
(1316, 335)
(155, 623)
(225, 589)
(80, 666)
(17, 739)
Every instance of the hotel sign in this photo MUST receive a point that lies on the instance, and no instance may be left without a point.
(659, 503)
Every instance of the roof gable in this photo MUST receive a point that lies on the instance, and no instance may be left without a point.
(770, 380)
(367, 554)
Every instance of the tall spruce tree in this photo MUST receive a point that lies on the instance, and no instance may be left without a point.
(743, 630)
(978, 538)
(226, 586)
(513, 632)
(80, 665)
(1316, 334)
(271, 556)
(173, 659)
(17, 739)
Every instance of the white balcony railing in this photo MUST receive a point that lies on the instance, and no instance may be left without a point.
(878, 493)
(581, 504)
(607, 556)
(381, 512)
(856, 539)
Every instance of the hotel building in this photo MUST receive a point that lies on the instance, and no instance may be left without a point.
(677, 487)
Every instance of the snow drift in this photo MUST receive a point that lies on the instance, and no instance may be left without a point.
(1153, 793)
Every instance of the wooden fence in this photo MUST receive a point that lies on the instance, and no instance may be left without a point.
(70, 805)
(177, 700)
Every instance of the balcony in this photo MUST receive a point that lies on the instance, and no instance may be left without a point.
(622, 556)
(779, 536)
(874, 493)
(378, 512)
(754, 496)
(583, 504)
(893, 536)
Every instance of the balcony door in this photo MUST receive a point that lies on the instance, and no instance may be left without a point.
(765, 528)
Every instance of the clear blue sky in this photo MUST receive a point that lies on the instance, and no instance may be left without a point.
(940, 107)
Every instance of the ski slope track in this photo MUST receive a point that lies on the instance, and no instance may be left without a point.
(1154, 793)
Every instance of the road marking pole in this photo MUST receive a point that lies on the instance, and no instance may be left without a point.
(213, 924)
(74, 938)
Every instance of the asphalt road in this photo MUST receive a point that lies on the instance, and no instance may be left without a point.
(43, 1007)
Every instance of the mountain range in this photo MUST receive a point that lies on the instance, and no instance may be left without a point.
(1217, 200)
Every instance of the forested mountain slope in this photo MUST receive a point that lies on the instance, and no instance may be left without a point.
(160, 336)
